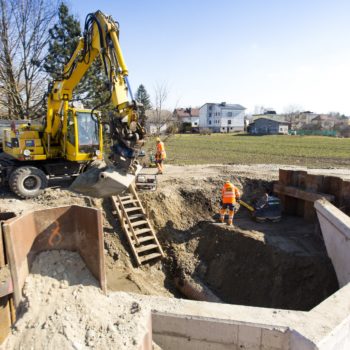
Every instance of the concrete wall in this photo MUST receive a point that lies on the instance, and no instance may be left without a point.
(192, 333)
(335, 227)
(185, 324)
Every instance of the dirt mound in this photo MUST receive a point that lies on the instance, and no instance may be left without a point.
(66, 310)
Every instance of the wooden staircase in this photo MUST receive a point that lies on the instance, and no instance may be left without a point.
(137, 227)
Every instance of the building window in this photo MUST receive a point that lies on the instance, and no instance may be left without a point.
(209, 114)
(209, 122)
(210, 108)
(229, 122)
(229, 114)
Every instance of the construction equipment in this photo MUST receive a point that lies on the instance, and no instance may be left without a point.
(270, 209)
(71, 139)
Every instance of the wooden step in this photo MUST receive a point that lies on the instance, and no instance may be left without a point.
(136, 216)
(122, 198)
(128, 210)
(142, 230)
(139, 223)
(146, 239)
(146, 247)
(129, 201)
(149, 257)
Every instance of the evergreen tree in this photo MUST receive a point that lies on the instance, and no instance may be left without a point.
(143, 97)
(64, 37)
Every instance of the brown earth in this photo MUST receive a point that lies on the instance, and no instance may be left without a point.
(272, 264)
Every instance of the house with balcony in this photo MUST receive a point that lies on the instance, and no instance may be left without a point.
(222, 117)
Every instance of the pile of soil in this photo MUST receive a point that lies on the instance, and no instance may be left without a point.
(65, 309)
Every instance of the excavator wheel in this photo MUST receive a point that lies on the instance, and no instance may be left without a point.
(27, 181)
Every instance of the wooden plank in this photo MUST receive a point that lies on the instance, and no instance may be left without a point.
(138, 223)
(142, 230)
(125, 197)
(136, 216)
(146, 239)
(130, 201)
(301, 194)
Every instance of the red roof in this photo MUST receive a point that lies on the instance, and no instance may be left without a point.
(187, 112)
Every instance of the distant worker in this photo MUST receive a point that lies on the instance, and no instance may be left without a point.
(229, 196)
(160, 155)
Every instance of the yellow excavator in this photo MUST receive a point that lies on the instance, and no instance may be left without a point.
(70, 142)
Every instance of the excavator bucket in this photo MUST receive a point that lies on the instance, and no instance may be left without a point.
(103, 181)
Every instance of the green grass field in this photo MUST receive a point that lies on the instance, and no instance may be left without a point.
(312, 151)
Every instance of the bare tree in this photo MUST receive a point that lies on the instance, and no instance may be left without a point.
(291, 111)
(160, 116)
(259, 109)
(23, 41)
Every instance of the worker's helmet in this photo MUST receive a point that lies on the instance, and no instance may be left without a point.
(228, 181)
(158, 139)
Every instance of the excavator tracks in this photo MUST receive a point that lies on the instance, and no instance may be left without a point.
(137, 227)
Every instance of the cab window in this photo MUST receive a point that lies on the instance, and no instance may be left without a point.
(70, 128)
(87, 129)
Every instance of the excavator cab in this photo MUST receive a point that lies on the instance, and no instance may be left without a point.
(84, 139)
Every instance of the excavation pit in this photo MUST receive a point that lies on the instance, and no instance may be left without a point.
(272, 264)
(275, 265)
(267, 266)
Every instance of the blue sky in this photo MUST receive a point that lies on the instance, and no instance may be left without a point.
(278, 54)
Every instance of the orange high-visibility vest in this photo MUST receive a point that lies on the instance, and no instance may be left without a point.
(229, 193)
(160, 151)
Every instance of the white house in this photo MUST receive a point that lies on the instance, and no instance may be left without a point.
(222, 117)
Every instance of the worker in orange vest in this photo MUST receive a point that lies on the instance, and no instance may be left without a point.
(229, 196)
(160, 155)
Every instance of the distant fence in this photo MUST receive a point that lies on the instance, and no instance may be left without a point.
(313, 132)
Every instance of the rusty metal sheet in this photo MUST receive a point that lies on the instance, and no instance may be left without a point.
(73, 228)
(5, 318)
(6, 286)
(3, 217)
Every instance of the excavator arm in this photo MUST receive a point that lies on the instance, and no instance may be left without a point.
(101, 38)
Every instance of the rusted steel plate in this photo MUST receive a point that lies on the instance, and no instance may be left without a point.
(5, 318)
(6, 286)
(73, 228)
(3, 217)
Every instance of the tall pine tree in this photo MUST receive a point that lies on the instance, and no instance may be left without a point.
(64, 37)
(143, 97)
